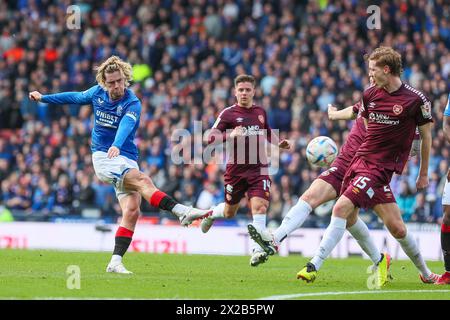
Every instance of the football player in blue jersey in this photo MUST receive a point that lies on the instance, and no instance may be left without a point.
(445, 227)
(116, 118)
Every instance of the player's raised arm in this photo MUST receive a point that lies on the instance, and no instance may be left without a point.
(84, 97)
(425, 147)
(344, 114)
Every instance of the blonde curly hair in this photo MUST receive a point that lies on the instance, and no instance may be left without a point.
(113, 64)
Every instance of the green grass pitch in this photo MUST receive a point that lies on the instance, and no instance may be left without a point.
(41, 274)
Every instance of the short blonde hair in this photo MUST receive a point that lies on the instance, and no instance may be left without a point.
(113, 64)
(386, 56)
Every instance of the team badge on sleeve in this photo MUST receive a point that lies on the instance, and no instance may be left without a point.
(426, 109)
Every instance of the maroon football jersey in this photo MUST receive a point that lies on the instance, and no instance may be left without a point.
(249, 153)
(355, 137)
(392, 120)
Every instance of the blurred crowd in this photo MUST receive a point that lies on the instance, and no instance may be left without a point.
(185, 54)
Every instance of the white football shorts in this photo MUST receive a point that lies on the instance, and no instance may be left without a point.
(446, 194)
(113, 170)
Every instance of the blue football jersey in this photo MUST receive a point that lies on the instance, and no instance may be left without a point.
(115, 122)
(447, 108)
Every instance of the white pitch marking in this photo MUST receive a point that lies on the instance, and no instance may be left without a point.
(338, 293)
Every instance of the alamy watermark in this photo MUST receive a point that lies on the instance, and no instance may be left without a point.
(74, 277)
(73, 17)
(372, 281)
(374, 20)
(212, 146)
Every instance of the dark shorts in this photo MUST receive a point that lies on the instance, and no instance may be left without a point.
(365, 184)
(237, 187)
(335, 175)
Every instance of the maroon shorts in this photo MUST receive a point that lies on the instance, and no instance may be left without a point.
(365, 184)
(335, 175)
(236, 188)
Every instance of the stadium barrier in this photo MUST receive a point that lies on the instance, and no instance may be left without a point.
(179, 240)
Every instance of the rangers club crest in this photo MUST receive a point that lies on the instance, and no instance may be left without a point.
(397, 109)
(119, 110)
(261, 119)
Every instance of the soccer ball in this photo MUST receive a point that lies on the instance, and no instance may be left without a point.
(321, 151)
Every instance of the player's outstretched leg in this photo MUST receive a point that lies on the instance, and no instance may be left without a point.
(185, 214)
(137, 181)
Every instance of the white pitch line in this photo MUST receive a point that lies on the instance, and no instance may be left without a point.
(338, 293)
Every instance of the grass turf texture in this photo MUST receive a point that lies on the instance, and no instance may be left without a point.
(41, 274)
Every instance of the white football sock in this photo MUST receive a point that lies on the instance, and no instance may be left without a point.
(180, 209)
(411, 249)
(116, 259)
(330, 239)
(292, 221)
(218, 211)
(259, 222)
(360, 232)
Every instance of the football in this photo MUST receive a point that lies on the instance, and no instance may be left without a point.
(321, 151)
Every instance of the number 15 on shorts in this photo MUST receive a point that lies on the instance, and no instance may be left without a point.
(361, 182)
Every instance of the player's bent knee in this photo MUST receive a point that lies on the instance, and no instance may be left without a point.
(145, 180)
(229, 213)
(146, 183)
(310, 198)
(260, 210)
(343, 209)
(398, 231)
